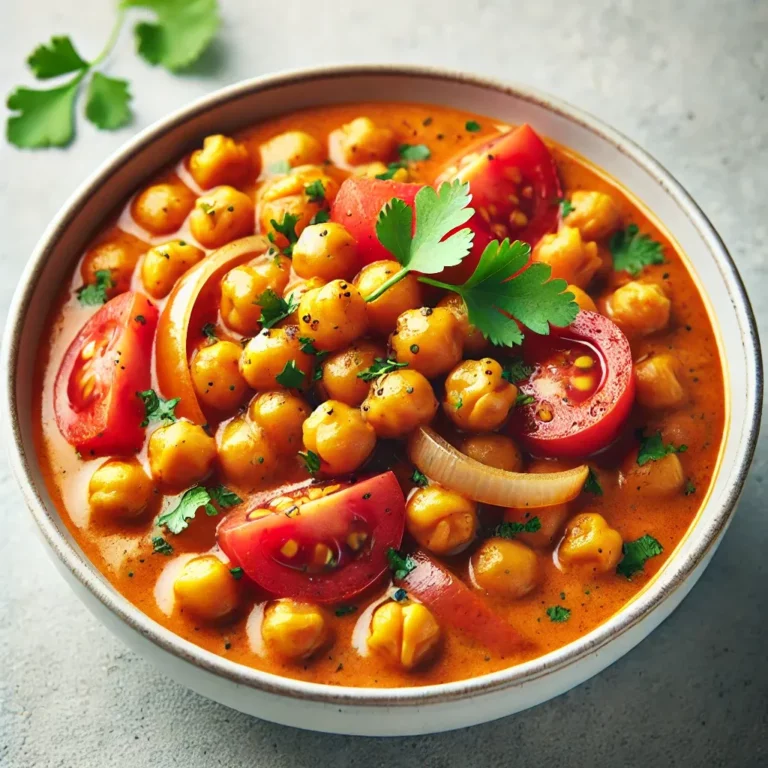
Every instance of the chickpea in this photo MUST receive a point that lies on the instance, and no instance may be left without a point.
(656, 479)
(373, 170)
(639, 308)
(340, 379)
(570, 259)
(474, 341)
(590, 541)
(243, 286)
(477, 397)
(398, 403)
(582, 298)
(362, 141)
(659, 382)
(246, 456)
(222, 160)
(181, 454)
(222, 216)
(340, 436)
(162, 208)
(326, 251)
(294, 294)
(384, 311)
(333, 316)
(594, 214)
(216, 376)
(505, 568)
(119, 488)
(206, 588)
(429, 340)
(164, 264)
(292, 147)
(117, 253)
(268, 353)
(406, 635)
(281, 415)
(295, 630)
(494, 450)
(440, 520)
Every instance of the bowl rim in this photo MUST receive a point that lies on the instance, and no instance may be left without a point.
(676, 571)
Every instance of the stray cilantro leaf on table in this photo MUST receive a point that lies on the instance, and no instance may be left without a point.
(558, 613)
(592, 483)
(633, 251)
(379, 368)
(107, 102)
(94, 294)
(291, 377)
(515, 370)
(652, 448)
(157, 409)
(419, 478)
(400, 565)
(510, 530)
(522, 400)
(58, 57)
(161, 547)
(274, 308)
(311, 461)
(636, 553)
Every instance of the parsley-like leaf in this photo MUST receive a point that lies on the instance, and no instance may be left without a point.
(157, 409)
(510, 530)
(94, 294)
(652, 448)
(315, 191)
(311, 461)
(516, 370)
(419, 478)
(177, 519)
(636, 553)
(291, 377)
(379, 368)
(274, 308)
(558, 614)
(472, 126)
(58, 57)
(107, 103)
(633, 251)
(393, 229)
(566, 206)
(413, 153)
(690, 488)
(224, 497)
(592, 483)
(321, 217)
(287, 228)
(160, 546)
(400, 565)
(308, 345)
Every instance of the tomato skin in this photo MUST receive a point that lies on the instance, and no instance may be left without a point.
(108, 420)
(255, 544)
(579, 429)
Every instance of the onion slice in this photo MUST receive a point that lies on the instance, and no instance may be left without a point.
(441, 462)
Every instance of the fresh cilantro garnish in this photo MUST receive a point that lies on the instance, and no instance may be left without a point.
(400, 565)
(311, 461)
(523, 399)
(291, 377)
(274, 308)
(94, 294)
(510, 530)
(566, 206)
(223, 496)
(690, 488)
(177, 519)
(320, 217)
(515, 370)
(315, 191)
(636, 553)
(157, 409)
(652, 448)
(345, 610)
(419, 478)
(287, 228)
(633, 251)
(413, 153)
(459, 404)
(558, 614)
(237, 573)
(592, 483)
(472, 126)
(160, 546)
(379, 368)
(279, 167)
(209, 331)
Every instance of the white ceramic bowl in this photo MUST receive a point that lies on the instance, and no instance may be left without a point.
(374, 711)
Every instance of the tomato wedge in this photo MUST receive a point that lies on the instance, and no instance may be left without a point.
(455, 604)
(323, 543)
(97, 410)
(185, 307)
(582, 388)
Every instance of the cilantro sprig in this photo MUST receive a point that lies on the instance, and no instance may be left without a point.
(311, 461)
(652, 448)
(633, 251)
(156, 408)
(287, 228)
(274, 308)
(93, 294)
(636, 553)
(558, 613)
(177, 519)
(379, 368)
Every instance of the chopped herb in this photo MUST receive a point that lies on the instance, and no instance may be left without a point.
(523, 399)
(345, 610)
(209, 331)
(472, 126)
(279, 167)
(592, 483)
(379, 368)
(156, 408)
(459, 403)
(558, 614)
(515, 370)
(291, 377)
(566, 206)
(633, 251)
(160, 546)
(636, 553)
(419, 478)
(315, 191)
(287, 228)
(510, 530)
(308, 346)
(311, 461)
(94, 294)
(412, 153)
(321, 217)
(224, 497)
(140, 319)
(237, 573)
(399, 595)
(652, 448)
(690, 488)
(274, 308)
(318, 374)
(400, 565)
(177, 519)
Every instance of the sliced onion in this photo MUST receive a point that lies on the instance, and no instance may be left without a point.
(441, 462)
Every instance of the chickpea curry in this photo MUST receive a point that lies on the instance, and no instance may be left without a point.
(380, 395)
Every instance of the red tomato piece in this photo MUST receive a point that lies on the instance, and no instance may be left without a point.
(95, 400)
(459, 607)
(582, 388)
(322, 543)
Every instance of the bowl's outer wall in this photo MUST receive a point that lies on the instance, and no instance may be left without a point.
(251, 102)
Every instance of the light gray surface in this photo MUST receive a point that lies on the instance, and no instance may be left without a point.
(690, 85)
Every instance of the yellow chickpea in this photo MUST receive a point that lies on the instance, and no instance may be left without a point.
(246, 456)
(582, 298)
(594, 214)
(222, 160)
(505, 568)
(398, 403)
(216, 376)
(340, 436)
(477, 397)
(326, 251)
(164, 264)
(267, 355)
(590, 542)
(429, 340)
(406, 635)
(494, 450)
(656, 479)
(639, 309)
(243, 286)
(181, 454)
(281, 415)
(384, 311)
(206, 588)
(294, 293)
(119, 489)
(362, 141)
(440, 520)
(372, 170)
(162, 208)
(118, 254)
(570, 259)
(292, 147)
(223, 215)
(341, 380)
(333, 316)
(293, 630)
(659, 382)
(474, 341)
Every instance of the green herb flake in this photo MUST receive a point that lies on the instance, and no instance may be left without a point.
(509, 530)
(274, 308)
(652, 448)
(419, 478)
(237, 573)
(287, 228)
(345, 610)
(690, 488)
(400, 565)
(140, 319)
(413, 153)
(380, 367)
(321, 217)
(93, 294)
(516, 370)
(160, 546)
(291, 377)
(558, 614)
(156, 408)
(636, 553)
(177, 519)
(472, 126)
(592, 483)
(632, 251)
(315, 191)
(566, 206)
(311, 461)
(224, 497)
(459, 404)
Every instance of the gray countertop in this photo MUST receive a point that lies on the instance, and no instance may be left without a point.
(689, 82)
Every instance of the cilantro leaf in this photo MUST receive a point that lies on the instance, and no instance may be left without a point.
(472, 126)
(522, 400)
(274, 308)
(393, 228)
(558, 614)
(237, 573)
(58, 57)
(636, 553)
(315, 191)
(566, 206)
(592, 483)
(177, 519)
(311, 461)
(652, 448)
(224, 497)
(291, 377)
(400, 565)
(160, 546)
(516, 370)
(182, 31)
(412, 153)
(287, 228)
(379, 368)
(308, 346)
(155, 408)
(320, 217)
(633, 251)
(107, 104)
(690, 488)
(94, 294)
(419, 478)
(510, 530)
